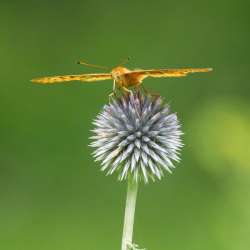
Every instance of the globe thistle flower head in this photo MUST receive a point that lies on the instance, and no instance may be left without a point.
(137, 136)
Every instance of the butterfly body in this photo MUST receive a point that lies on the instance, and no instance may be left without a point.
(123, 78)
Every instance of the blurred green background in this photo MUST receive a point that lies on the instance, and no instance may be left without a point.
(52, 194)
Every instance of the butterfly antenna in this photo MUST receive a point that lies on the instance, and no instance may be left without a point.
(125, 61)
(92, 65)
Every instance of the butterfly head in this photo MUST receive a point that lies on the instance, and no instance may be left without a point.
(118, 71)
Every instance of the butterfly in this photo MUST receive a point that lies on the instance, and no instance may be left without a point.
(122, 77)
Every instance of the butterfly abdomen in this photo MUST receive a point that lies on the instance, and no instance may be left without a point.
(131, 80)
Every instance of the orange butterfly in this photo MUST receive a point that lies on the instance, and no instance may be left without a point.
(121, 76)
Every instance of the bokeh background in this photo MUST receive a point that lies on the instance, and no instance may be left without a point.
(52, 194)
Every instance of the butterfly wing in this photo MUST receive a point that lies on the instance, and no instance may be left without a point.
(67, 78)
(140, 75)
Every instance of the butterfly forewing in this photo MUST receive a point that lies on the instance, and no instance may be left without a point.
(141, 74)
(67, 78)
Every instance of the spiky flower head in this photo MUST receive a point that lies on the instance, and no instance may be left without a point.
(137, 136)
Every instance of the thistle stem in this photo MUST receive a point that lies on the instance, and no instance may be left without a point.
(127, 236)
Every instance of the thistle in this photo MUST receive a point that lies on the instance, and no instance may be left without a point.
(138, 138)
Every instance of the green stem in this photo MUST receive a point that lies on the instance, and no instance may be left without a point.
(127, 236)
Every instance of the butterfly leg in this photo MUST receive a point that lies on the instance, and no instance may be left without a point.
(133, 246)
(128, 91)
(149, 92)
(144, 89)
(113, 92)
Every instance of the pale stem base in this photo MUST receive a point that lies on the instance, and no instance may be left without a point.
(127, 236)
